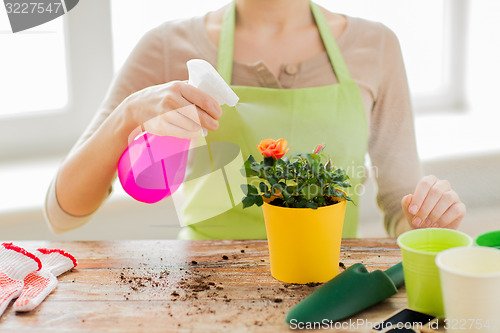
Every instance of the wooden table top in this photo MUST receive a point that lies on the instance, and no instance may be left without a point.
(185, 286)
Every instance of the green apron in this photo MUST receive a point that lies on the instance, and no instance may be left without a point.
(333, 115)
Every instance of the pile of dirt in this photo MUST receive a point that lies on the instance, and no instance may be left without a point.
(188, 287)
(200, 282)
(143, 278)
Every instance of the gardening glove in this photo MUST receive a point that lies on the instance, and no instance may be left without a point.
(37, 285)
(15, 264)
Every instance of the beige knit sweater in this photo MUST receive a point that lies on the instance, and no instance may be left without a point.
(372, 54)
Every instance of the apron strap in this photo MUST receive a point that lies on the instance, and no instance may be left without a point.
(226, 45)
(339, 66)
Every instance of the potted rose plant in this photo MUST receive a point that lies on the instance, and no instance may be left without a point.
(304, 207)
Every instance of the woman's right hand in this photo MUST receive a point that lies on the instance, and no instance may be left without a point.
(174, 109)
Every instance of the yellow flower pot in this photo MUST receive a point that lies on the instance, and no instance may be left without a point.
(304, 243)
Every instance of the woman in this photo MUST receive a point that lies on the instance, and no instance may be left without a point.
(340, 80)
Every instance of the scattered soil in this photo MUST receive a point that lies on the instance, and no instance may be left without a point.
(144, 278)
(193, 281)
(189, 286)
(197, 284)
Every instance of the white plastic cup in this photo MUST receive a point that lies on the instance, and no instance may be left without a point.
(470, 284)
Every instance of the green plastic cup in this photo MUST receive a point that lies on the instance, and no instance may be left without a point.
(489, 239)
(419, 249)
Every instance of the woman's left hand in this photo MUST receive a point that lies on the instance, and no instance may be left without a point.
(433, 204)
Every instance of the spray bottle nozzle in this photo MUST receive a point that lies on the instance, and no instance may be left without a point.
(204, 77)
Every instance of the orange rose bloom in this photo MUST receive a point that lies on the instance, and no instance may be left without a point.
(273, 148)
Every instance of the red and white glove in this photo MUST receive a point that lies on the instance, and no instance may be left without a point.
(15, 264)
(39, 284)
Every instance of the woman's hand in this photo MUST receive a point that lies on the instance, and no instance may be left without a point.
(433, 204)
(173, 109)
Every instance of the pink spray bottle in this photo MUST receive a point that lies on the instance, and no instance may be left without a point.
(153, 167)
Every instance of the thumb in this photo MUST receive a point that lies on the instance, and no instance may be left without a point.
(405, 204)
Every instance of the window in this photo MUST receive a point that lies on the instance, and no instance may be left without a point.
(24, 74)
(52, 79)
(429, 50)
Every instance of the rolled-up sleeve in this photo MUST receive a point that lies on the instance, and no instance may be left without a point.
(143, 68)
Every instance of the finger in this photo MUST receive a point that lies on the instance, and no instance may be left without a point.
(197, 115)
(201, 99)
(183, 123)
(166, 128)
(420, 193)
(180, 132)
(190, 112)
(405, 205)
(186, 118)
(207, 121)
(447, 200)
(453, 216)
(433, 196)
(157, 125)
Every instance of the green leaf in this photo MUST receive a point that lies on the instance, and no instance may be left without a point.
(263, 187)
(249, 189)
(291, 189)
(269, 161)
(320, 200)
(277, 188)
(280, 173)
(256, 167)
(301, 202)
(248, 170)
(272, 180)
(337, 193)
(259, 201)
(249, 201)
(311, 191)
(312, 205)
(283, 190)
